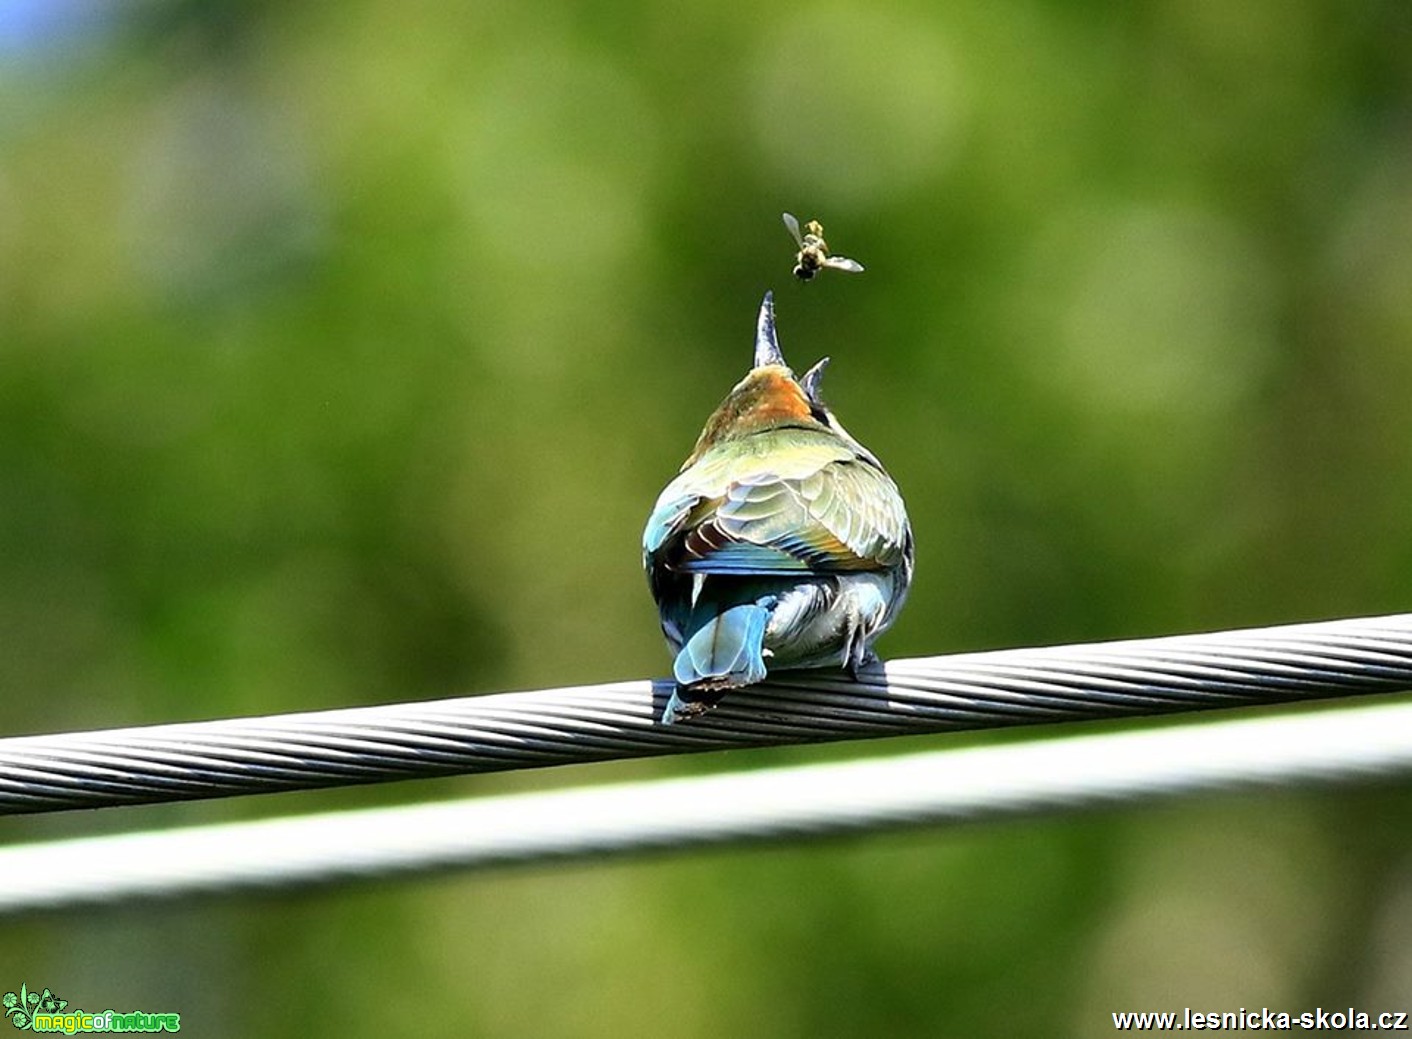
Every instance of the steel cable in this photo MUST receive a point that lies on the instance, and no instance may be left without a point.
(593, 723)
(938, 787)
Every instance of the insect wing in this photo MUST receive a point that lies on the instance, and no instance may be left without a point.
(793, 226)
(843, 263)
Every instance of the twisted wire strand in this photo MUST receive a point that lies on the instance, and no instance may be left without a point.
(621, 720)
(1354, 744)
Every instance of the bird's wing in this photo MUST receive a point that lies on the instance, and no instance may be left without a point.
(787, 511)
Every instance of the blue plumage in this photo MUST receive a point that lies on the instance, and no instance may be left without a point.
(782, 543)
(727, 647)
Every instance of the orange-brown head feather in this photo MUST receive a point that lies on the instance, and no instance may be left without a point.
(767, 398)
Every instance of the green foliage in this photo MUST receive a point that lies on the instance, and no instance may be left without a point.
(344, 347)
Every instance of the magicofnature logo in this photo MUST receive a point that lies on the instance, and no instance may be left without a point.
(20, 1007)
(46, 1012)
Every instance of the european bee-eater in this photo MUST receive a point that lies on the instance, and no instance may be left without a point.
(782, 543)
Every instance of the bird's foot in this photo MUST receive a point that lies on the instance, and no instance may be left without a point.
(861, 662)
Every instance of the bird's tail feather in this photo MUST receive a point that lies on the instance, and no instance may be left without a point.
(726, 652)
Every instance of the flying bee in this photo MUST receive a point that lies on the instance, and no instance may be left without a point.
(814, 251)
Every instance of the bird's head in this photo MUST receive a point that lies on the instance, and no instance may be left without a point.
(769, 397)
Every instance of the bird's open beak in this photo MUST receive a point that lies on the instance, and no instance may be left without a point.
(767, 347)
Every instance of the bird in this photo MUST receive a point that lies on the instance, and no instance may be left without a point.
(781, 543)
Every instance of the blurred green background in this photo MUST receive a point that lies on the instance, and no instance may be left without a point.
(344, 348)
